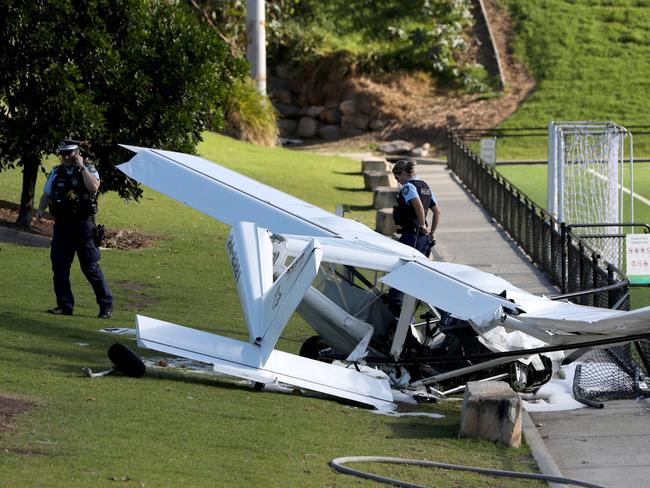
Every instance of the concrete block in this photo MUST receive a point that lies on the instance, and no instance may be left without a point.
(374, 164)
(491, 410)
(384, 223)
(373, 179)
(384, 197)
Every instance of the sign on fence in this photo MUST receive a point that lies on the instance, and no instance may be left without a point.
(489, 150)
(637, 258)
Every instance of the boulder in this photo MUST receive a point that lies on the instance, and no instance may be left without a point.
(396, 147)
(361, 121)
(287, 127)
(287, 111)
(419, 152)
(491, 410)
(376, 124)
(282, 96)
(312, 111)
(348, 107)
(329, 131)
(331, 115)
(308, 127)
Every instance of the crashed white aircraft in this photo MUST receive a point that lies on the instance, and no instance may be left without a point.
(288, 255)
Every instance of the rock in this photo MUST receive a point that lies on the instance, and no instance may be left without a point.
(358, 121)
(376, 124)
(330, 131)
(361, 121)
(419, 152)
(331, 115)
(282, 96)
(308, 127)
(287, 111)
(312, 111)
(348, 107)
(287, 127)
(491, 410)
(396, 147)
(367, 106)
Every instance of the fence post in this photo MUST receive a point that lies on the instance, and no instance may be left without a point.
(563, 255)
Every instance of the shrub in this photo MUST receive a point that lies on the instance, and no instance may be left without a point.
(250, 116)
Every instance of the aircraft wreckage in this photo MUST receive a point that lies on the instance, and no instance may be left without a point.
(456, 323)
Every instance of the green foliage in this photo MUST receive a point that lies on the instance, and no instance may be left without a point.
(108, 72)
(175, 428)
(374, 36)
(250, 116)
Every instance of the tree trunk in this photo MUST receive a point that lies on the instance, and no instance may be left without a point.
(30, 163)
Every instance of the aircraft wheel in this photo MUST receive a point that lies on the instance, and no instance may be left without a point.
(312, 348)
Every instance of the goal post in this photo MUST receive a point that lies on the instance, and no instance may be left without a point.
(585, 179)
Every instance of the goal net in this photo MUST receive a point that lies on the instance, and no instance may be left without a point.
(585, 181)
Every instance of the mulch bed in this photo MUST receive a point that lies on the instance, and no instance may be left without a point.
(114, 238)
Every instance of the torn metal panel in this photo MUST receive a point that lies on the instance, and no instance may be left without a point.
(243, 360)
(461, 300)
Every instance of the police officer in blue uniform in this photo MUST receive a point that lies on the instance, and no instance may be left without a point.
(71, 192)
(410, 215)
(413, 203)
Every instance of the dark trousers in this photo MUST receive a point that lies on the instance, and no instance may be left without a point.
(72, 237)
(421, 243)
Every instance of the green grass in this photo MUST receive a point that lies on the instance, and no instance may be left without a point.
(590, 61)
(173, 428)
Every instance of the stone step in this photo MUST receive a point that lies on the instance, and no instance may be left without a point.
(374, 164)
(374, 179)
(384, 197)
(384, 223)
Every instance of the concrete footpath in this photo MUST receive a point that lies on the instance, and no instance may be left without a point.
(608, 447)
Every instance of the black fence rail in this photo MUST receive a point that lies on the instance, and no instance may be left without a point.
(564, 257)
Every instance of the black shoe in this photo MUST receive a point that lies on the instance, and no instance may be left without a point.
(105, 313)
(60, 311)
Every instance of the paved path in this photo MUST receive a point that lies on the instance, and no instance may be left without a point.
(608, 447)
(468, 235)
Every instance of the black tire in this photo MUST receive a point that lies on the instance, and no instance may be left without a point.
(126, 361)
(313, 347)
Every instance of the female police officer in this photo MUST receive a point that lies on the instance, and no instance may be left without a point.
(71, 191)
(413, 202)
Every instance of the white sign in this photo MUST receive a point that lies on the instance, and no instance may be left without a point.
(489, 150)
(637, 258)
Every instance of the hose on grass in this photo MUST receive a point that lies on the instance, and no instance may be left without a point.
(338, 465)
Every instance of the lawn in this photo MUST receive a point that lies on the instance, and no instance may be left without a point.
(590, 62)
(173, 427)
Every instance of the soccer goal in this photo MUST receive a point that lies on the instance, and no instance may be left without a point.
(586, 170)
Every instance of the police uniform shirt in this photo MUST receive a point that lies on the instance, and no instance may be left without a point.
(409, 192)
(70, 169)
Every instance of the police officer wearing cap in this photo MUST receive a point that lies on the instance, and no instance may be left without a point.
(71, 192)
(410, 215)
(413, 203)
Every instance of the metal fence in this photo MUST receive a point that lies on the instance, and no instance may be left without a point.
(565, 258)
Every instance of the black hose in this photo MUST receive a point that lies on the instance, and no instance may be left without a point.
(338, 465)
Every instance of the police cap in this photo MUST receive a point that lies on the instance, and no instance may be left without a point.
(67, 146)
